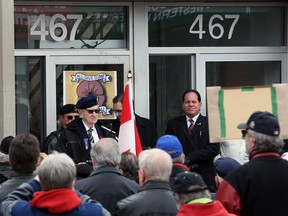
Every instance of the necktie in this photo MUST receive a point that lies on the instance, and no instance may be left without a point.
(191, 125)
(90, 137)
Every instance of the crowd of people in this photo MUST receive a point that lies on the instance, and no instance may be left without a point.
(79, 169)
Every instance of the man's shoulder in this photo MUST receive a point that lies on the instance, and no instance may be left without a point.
(177, 119)
(143, 121)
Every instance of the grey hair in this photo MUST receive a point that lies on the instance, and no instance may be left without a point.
(106, 152)
(180, 159)
(185, 198)
(156, 163)
(56, 171)
(266, 143)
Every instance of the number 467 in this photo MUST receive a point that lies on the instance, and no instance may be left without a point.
(212, 26)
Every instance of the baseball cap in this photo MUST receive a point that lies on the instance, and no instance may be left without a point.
(224, 165)
(170, 144)
(184, 181)
(86, 102)
(262, 122)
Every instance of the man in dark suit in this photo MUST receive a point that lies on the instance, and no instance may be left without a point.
(146, 128)
(193, 133)
(80, 135)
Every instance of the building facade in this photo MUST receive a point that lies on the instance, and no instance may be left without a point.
(167, 46)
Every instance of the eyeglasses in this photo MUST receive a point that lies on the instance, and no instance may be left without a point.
(244, 132)
(92, 111)
(70, 117)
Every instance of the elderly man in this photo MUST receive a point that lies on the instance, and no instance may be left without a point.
(258, 187)
(194, 197)
(54, 194)
(155, 197)
(80, 135)
(106, 183)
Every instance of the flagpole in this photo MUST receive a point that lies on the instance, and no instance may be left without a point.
(129, 75)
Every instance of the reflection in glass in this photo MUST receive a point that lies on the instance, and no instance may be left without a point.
(198, 26)
(169, 77)
(29, 95)
(235, 74)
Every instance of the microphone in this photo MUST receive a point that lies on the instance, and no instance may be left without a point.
(110, 131)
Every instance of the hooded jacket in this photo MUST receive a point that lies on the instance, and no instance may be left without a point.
(29, 200)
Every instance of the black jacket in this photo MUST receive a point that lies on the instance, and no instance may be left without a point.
(50, 142)
(15, 181)
(107, 186)
(196, 146)
(155, 198)
(71, 141)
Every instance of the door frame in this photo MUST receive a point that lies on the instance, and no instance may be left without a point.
(50, 77)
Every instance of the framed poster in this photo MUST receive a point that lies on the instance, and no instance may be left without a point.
(78, 84)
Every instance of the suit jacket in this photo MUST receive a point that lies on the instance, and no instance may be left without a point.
(196, 146)
(146, 128)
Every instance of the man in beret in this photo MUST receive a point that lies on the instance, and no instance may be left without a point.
(258, 187)
(67, 114)
(80, 135)
(193, 196)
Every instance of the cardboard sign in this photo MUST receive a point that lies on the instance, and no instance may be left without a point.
(227, 107)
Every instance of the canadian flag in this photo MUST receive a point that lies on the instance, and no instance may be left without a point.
(128, 134)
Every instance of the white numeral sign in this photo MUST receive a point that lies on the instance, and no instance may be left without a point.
(57, 21)
(197, 26)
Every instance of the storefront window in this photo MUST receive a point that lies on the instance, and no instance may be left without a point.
(169, 76)
(239, 74)
(29, 95)
(216, 26)
(72, 27)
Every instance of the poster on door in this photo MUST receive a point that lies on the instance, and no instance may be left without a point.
(78, 84)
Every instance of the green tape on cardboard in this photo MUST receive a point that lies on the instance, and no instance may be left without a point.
(274, 101)
(222, 113)
(247, 89)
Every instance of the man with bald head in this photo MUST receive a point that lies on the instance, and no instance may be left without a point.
(155, 197)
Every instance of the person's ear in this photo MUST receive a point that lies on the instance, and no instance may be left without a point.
(142, 177)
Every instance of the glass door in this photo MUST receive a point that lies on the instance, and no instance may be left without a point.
(81, 76)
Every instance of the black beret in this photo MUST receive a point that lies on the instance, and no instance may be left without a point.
(68, 108)
(5, 144)
(86, 102)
